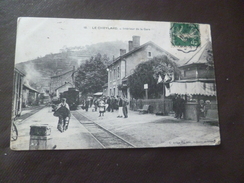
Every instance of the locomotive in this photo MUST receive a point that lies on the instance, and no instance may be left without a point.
(72, 98)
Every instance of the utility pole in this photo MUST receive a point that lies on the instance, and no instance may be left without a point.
(146, 90)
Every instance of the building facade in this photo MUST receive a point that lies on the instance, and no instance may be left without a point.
(125, 64)
(18, 92)
(62, 80)
(30, 95)
(197, 83)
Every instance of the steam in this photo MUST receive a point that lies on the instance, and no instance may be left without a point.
(32, 76)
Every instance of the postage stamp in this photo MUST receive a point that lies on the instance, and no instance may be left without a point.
(185, 35)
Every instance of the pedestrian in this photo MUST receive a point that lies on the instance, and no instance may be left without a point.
(101, 106)
(87, 104)
(174, 105)
(95, 104)
(120, 104)
(125, 108)
(181, 108)
(202, 108)
(177, 106)
(109, 104)
(112, 104)
(63, 113)
(91, 102)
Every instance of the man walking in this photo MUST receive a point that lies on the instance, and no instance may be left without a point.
(63, 113)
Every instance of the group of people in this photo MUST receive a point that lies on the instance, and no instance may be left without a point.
(109, 104)
(123, 109)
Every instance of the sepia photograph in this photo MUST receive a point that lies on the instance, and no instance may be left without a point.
(109, 84)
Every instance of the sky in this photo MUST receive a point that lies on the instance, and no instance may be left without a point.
(37, 37)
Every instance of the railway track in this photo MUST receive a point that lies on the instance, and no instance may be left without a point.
(105, 137)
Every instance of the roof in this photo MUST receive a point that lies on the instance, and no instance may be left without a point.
(192, 88)
(105, 85)
(29, 87)
(20, 72)
(201, 56)
(63, 85)
(62, 74)
(98, 93)
(140, 47)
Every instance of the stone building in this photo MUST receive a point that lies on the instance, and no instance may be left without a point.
(124, 65)
(197, 83)
(61, 81)
(18, 92)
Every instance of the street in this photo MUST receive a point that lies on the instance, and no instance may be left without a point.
(89, 131)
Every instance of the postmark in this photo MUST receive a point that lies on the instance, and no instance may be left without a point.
(185, 36)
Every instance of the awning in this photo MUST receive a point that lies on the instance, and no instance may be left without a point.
(98, 94)
(191, 88)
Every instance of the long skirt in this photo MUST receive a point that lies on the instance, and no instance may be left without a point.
(120, 114)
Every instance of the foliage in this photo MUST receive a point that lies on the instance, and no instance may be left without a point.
(209, 57)
(163, 65)
(122, 87)
(91, 76)
(148, 73)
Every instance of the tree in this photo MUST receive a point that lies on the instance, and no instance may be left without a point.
(91, 76)
(148, 73)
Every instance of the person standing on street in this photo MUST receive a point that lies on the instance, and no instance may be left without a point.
(87, 104)
(177, 106)
(125, 109)
(182, 108)
(112, 104)
(109, 104)
(101, 106)
(120, 103)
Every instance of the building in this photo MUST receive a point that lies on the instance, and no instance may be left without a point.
(124, 65)
(197, 83)
(105, 89)
(61, 81)
(30, 95)
(17, 92)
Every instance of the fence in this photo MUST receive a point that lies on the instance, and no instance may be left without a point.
(156, 105)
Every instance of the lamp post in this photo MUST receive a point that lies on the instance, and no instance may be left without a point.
(146, 90)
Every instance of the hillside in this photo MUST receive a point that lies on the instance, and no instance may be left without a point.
(39, 71)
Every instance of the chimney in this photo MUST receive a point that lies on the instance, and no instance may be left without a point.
(136, 41)
(130, 46)
(122, 52)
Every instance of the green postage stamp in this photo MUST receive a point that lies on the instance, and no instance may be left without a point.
(185, 35)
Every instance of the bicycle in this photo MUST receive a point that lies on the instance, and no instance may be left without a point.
(14, 132)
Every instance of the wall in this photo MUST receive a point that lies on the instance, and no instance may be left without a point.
(157, 105)
(190, 111)
(140, 56)
(60, 80)
(197, 71)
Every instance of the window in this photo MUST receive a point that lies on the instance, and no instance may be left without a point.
(118, 72)
(114, 73)
(149, 54)
(111, 77)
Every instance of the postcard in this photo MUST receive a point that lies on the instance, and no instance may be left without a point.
(109, 84)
